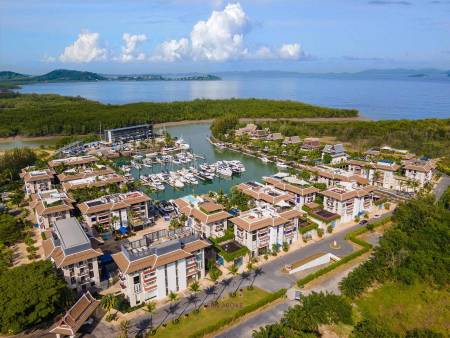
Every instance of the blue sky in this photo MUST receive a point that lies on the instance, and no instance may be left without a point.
(205, 36)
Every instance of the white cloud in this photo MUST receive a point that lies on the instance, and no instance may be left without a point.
(264, 52)
(129, 49)
(290, 51)
(84, 49)
(173, 50)
(221, 37)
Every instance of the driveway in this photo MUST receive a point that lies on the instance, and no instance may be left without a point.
(441, 186)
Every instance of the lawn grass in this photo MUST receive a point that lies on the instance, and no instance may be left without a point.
(226, 308)
(405, 307)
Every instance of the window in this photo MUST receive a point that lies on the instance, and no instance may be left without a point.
(254, 236)
(176, 275)
(72, 280)
(136, 279)
(92, 283)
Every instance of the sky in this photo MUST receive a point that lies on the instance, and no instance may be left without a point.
(175, 36)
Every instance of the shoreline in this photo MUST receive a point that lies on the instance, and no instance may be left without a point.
(22, 138)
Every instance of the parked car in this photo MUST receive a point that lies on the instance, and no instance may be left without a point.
(363, 222)
(376, 216)
(298, 295)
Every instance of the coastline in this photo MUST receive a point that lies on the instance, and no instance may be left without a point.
(22, 138)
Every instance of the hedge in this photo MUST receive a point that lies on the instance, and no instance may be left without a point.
(352, 236)
(228, 256)
(307, 228)
(242, 312)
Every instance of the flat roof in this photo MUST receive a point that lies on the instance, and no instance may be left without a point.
(70, 233)
(129, 127)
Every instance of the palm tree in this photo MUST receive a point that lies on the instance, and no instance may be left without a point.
(194, 287)
(244, 276)
(191, 299)
(150, 307)
(256, 273)
(210, 290)
(233, 270)
(172, 296)
(170, 311)
(108, 302)
(124, 328)
(225, 283)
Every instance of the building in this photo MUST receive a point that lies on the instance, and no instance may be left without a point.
(117, 210)
(131, 133)
(76, 316)
(263, 228)
(151, 269)
(50, 206)
(73, 162)
(206, 217)
(37, 180)
(336, 152)
(268, 194)
(79, 174)
(98, 181)
(334, 176)
(420, 171)
(292, 140)
(311, 143)
(302, 194)
(71, 251)
(348, 201)
(274, 137)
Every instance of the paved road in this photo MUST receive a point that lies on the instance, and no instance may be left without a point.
(271, 280)
(441, 186)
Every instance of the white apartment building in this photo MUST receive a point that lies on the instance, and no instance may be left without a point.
(302, 193)
(37, 180)
(419, 171)
(335, 176)
(279, 199)
(73, 162)
(94, 181)
(204, 216)
(117, 210)
(336, 151)
(261, 228)
(50, 206)
(151, 269)
(348, 201)
(71, 251)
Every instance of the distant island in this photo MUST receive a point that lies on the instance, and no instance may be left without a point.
(13, 80)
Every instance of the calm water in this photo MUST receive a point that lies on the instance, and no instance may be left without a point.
(196, 135)
(375, 99)
(27, 143)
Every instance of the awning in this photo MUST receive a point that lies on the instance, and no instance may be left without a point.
(123, 230)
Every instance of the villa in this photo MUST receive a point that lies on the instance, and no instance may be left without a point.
(205, 217)
(94, 181)
(302, 193)
(263, 228)
(311, 143)
(151, 269)
(71, 251)
(274, 137)
(73, 162)
(348, 201)
(37, 180)
(292, 140)
(79, 174)
(252, 131)
(50, 206)
(336, 151)
(117, 211)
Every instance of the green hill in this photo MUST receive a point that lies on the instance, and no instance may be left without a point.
(67, 75)
(7, 75)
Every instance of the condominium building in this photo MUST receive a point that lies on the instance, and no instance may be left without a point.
(302, 193)
(73, 174)
(117, 210)
(267, 193)
(151, 269)
(334, 176)
(94, 181)
(72, 253)
(37, 180)
(50, 206)
(348, 201)
(262, 228)
(204, 216)
(73, 162)
(420, 171)
(131, 133)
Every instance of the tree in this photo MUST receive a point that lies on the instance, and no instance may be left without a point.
(224, 125)
(214, 273)
(124, 328)
(30, 294)
(10, 230)
(108, 302)
(233, 270)
(172, 296)
(256, 273)
(370, 329)
(150, 308)
(327, 158)
(194, 287)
